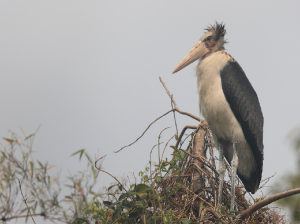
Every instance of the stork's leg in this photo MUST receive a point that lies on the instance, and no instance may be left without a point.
(221, 172)
(234, 165)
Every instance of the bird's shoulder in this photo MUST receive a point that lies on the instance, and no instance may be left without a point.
(225, 55)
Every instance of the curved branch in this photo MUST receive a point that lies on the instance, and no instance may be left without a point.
(267, 201)
(144, 131)
(182, 133)
(109, 173)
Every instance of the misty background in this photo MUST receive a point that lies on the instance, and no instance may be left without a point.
(87, 72)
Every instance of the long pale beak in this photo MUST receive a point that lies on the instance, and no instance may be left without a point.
(198, 51)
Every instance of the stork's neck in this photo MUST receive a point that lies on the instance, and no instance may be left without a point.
(212, 64)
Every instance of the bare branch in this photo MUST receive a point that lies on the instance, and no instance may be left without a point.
(25, 200)
(150, 162)
(174, 117)
(175, 109)
(159, 143)
(267, 201)
(144, 131)
(162, 82)
(175, 105)
(182, 133)
(24, 216)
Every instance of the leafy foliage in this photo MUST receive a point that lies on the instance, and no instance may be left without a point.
(165, 192)
(41, 189)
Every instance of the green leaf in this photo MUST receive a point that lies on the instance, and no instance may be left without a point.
(107, 203)
(41, 165)
(173, 147)
(111, 187)
(167, 220)
(4, 154)
(152, 221)
(140, 204)
(110, 204)
(31, 169)
(141, 188)
(120, 187)
(80, 221)
(177, 186)
(122, 196)
(127, 204)
(29, 136)
(223, 208)
(79, 151)
(91, 206)
(116, 213)
(10, 141)
(89, 159)
(133, 215)
(177, 156)
(186, 221)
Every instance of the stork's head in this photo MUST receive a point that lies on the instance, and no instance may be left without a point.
(211, 41)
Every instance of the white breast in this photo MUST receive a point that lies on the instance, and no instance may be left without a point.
(213, 104)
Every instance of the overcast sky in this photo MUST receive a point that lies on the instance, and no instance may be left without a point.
(87, 72)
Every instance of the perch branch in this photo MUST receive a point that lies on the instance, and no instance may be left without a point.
(266, 201)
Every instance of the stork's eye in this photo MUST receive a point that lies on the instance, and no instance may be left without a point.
(208, 38)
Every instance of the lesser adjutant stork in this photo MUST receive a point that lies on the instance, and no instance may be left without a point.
(231, 108)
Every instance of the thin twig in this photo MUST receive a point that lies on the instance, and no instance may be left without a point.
(144, 131)
(23, 216)
(175, 105)
(165, 150)
(25, 200)
(175, 109)
(174, 117)
(182, 133)
(159, 143)
(150, 162)
(108, 173)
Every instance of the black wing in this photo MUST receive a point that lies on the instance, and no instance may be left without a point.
(245, 106)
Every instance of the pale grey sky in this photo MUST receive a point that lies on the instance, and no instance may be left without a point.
(87, 71)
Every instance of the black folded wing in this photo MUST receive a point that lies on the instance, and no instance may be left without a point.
(245, 106)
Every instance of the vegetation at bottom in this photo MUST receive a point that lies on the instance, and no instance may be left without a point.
(182, 189)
